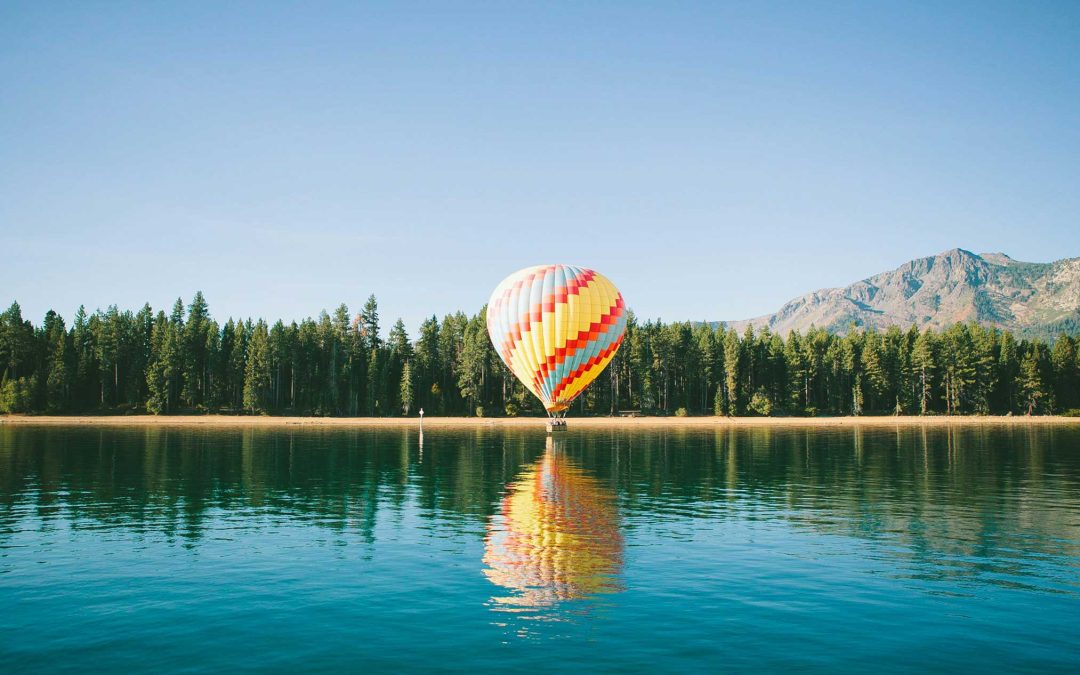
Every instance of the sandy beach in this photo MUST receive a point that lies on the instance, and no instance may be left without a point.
(523, 422)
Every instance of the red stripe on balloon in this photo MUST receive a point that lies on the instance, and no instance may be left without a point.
(584, 368)
(535, 313)
(583, 338)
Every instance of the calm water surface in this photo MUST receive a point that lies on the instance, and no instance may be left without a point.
(736, 549)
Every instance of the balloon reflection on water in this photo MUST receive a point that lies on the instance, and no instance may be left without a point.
(556, 537)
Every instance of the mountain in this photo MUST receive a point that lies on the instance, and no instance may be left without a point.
(1031, 299)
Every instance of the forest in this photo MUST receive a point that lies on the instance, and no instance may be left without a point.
(341, 364)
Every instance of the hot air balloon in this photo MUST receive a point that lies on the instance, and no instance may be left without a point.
(556, 327)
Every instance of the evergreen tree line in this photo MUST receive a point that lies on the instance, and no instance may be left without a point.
(340, 365)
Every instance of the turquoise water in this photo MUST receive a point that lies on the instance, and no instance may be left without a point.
(737, 549)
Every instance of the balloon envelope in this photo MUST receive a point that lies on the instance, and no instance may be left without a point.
(556, 327)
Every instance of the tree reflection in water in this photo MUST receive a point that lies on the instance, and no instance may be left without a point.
(555, 537)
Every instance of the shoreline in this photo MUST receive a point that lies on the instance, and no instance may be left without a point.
(243, 421)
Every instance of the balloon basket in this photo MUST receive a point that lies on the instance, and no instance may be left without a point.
(556, 426)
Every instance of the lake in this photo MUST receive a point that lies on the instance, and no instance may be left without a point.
(153, 549)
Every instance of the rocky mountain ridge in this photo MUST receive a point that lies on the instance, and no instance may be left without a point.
(954, 286)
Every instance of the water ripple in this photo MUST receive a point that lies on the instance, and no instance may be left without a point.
(734, 549)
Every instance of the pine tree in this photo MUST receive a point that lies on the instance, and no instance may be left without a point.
(1066, 373)
(1031, 385)
(369, 321)
(339, 360)
(472, 366)
(720, 402)
(907, 385)
(375, 364)
(857, 396)
(107, 347)
(959, 368)
(142, 328)
(58, 367)
(237, 365)
(407, 387)
(159, 371)
(356, 369)
(814, 346)
(984, 362)
(796, 369)
(1008, 371)
(16, 340)
(85, 365)
(426, 372)
(398, 340)
(892, 354)
(732, 372)
(638, 357)
(777, 380)
(257, 370)
(924, 363)
(874, 382)
(848, 371)
(451, 341)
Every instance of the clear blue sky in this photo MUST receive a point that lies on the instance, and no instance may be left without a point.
(714, 161)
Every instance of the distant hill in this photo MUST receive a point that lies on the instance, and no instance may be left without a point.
(1031, 299)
